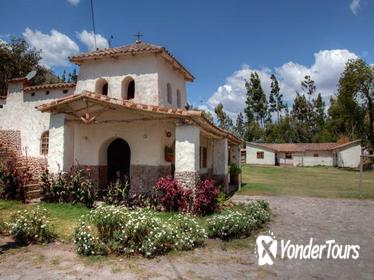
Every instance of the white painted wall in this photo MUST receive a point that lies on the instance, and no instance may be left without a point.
(220, 157)
(349, 156)
(19, 113)
(325, 158)
(285, 161)
(150, 73)
(269, 156)
(167, 75)
(147, 139)
(57, 144)
(187, 146)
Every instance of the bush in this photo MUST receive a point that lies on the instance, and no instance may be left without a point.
(235, 169)
(239, 221)
(74, 187)
(31, 226)
(116, 229)
(190, 234)
(206, 195)
(118, 193)
(172, 196)
(12, 182)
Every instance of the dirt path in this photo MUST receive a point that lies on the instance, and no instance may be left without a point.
(298, 219)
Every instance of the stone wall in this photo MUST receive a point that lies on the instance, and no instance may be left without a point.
(187, 179)
(11, 141)
(142, 177)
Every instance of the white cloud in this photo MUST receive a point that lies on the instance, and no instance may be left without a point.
(354, 6)
(55, 47)
(74, 2)
(87, 38)
(325, 71)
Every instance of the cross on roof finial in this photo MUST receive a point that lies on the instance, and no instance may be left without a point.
(138, 35)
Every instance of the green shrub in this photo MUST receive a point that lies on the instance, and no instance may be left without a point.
(116, 229)
(234, 169)
(189, 234)
(74, 187)
(117, 193)
(32, 225)
(239, 221)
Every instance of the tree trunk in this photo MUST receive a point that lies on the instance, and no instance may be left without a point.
(371, 120)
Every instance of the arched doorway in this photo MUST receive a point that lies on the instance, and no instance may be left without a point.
(119, 156)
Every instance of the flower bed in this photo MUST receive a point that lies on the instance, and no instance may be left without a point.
(239, 221)
(31, 226)
(118, 230)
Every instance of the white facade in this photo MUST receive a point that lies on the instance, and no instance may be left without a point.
(342, 156)
(19, 113)
(349, 156)
(252, 158)
(147, 134)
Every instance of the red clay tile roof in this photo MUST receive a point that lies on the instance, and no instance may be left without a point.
(49, 86)
(192, 115)
(16, 80)
(302, 147)
(133, 49)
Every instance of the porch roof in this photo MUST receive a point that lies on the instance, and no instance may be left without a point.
(90, 101)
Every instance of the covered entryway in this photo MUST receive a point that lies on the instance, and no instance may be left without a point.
(119, 157)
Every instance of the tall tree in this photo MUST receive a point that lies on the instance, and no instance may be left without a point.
(240, 126)
(17, 59)
(276, 103)
(256, 103)
(224, 121)
(357, 81)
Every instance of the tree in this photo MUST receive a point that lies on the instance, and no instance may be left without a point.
(224, 121)
(17, 59)
(63, 76)
(73, 77)
(256, 103)
(356, 84)
(240, 126)
(208, 116)
(276, 98)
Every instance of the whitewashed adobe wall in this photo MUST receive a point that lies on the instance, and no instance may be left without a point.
(147, 140)
(150, 73)
(269, 156)
(349, 156)
(176, 79)
(19, 113)
(286, 161)
(325, 158)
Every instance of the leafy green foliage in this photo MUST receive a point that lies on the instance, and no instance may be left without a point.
(239, 221)
(224, 120)
(74, 187)
(117, 193)
(32, 225)
(116, 229)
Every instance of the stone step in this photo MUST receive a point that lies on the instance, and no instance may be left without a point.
(32, 194)
(32, 187)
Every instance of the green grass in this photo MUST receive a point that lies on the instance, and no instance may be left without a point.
(64, 216)
(325, 182)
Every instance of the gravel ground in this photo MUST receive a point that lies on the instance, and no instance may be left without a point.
(297, 219)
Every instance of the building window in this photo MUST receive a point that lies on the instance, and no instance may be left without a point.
(33, 94)
(128, 88)
(260, 155)
(45, 143)
(169, 94)
(101, 87)
(65, 91)
(288, 155)
(179, 99)
(47, 92)
(315, 155)
(203, 157)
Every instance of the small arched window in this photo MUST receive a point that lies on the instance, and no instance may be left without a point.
(179, 99)
(44, 143)
(169, 94)
(101, 86)
(128, 88)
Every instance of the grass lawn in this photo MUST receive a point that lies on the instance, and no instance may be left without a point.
(64, 216)
(305, 181)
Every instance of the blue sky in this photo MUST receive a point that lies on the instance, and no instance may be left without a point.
(220, 42)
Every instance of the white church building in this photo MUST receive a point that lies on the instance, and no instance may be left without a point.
(125, 116)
